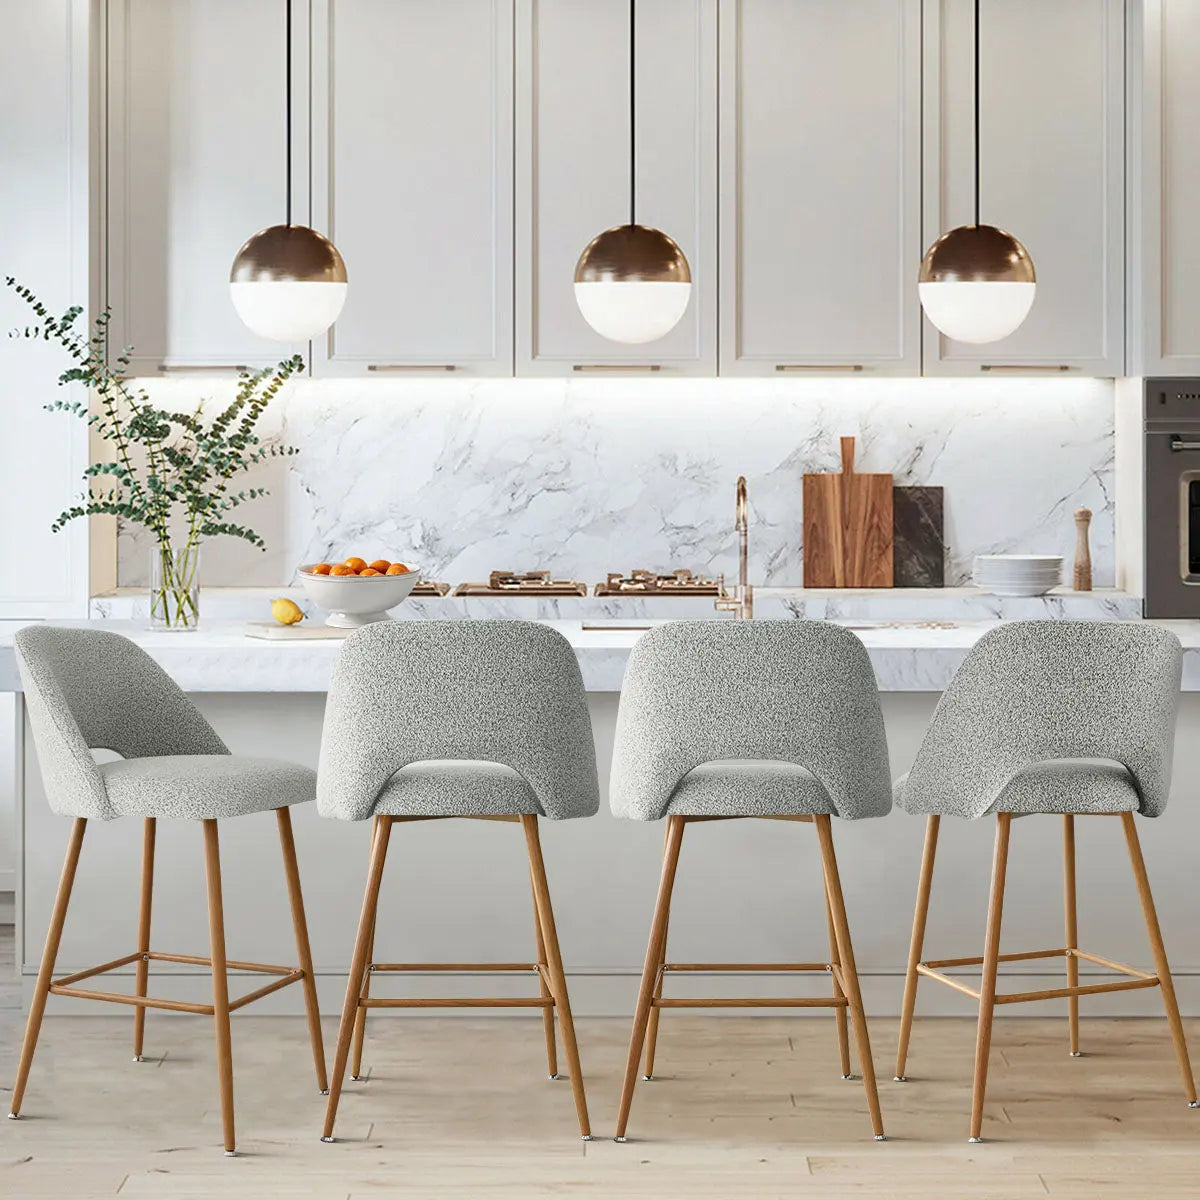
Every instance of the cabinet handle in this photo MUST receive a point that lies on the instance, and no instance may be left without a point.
(1178, 444)
(783, 367)
(411, 367)
(623, 367)
(181, 368)
(1024, 367)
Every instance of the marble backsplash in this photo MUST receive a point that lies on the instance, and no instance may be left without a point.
(589, 476)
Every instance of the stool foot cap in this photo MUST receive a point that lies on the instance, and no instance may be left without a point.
(556, 1076)
(847, 1076)
(585, 1137)
(899, 1078)
(231, 1154)
(358, 1079)
(323, 1092)
(1076, 1054)
(621, 1140)
(138, 1058)
(329, 1139)
(1194, 1104)
(974, 1141)
(647, 1078)
(12, 1116)
(881, 1137)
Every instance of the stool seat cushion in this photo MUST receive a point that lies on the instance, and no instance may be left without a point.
(204, 786)
(749, 787)
(456, 788)
(1061, 785)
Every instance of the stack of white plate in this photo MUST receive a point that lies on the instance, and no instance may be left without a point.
(1018, 574)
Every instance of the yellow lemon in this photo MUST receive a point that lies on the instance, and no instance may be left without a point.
(286, 612)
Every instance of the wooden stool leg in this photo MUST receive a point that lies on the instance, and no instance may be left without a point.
(835, 960)
(220, 980)
(1072, 927)
(656, 1012)
(849, 971)
(921, 912)
(143, 963)
(547, 1013)
(41, 989)
(358, 966)
(287, 843)
(658, 927)
(360, 1017)
(987, 988)
(558, 978)
(1161, 967)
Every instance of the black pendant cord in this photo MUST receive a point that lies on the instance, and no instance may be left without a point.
(287, 5)
(977, 113)
(632, 112)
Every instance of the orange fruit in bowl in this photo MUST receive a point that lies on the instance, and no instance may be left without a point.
(342, 569)
(320, 569)
(355, 564)
(369, 571)
(381, 565)
(397, 568)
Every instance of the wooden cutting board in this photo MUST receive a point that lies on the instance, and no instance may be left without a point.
(847, 527)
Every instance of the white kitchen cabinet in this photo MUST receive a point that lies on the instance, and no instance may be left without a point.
(1052, 170)
(196, 164)
(573, 170)
(45, 243)
(820, 149)
(413, 180)
(1164, 181)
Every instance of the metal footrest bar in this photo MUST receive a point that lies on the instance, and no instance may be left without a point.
(1137, 977)
(63, 986)
(750, 1002)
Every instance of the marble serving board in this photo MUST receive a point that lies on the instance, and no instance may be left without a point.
(918, 537)
(304, 631)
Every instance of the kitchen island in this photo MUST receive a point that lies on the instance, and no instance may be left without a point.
(745, 890)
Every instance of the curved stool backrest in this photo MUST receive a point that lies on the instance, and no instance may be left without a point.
(801, 692)
(90, 690)
(507, 692)
(1035, 690)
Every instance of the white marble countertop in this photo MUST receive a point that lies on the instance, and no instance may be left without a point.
(220, 657)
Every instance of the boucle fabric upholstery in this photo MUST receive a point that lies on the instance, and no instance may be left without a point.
(90, 690)
(799, 692)
(749, 787)
(456, 787)
(1032, 691)
(204, 786)
(505, 692)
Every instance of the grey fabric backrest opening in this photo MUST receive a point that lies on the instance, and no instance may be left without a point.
(93, 690)
(1036, 690)
(801, 692)
(508, 692)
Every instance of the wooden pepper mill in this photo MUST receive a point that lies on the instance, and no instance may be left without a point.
(1083, 555)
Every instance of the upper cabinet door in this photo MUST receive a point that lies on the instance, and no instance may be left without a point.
(573, 170)
(413, 179)
(1052, 170)
(1164, 181)
(820, 186)
(196, 164)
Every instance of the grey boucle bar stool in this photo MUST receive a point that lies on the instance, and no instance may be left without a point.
(429, 720)
(777, 720)
(1072, 718)
(90, 690)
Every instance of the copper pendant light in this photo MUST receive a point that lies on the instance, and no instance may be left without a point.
(288, 282)
(977, 282)
(632, 282)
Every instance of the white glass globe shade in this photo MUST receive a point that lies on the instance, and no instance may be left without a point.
(633, 312)
(288, 310)
(974, 311)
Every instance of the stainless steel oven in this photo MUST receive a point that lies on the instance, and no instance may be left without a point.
(1172, 430)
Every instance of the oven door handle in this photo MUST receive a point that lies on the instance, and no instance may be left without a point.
(1178, 444)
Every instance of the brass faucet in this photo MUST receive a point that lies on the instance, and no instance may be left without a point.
(742, 601)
